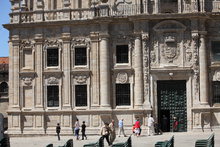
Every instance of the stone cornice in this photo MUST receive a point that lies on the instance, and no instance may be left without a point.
(97, 20)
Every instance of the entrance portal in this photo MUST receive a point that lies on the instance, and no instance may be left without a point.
(172, 105)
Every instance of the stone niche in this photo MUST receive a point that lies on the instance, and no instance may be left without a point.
(168, 43)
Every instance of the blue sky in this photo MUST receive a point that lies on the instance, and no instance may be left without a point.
(4, 19)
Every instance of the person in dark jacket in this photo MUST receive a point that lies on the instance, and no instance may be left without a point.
(83, 130)
(58, 131)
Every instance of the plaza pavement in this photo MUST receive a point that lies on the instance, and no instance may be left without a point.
(180, 140)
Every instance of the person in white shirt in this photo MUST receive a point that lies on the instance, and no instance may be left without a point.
(77, 129)
(150, 125)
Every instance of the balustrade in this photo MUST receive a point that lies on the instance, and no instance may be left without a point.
(102, 11)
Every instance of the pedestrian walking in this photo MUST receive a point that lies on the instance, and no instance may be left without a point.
(150, 125)
(175, 125)
(58, 130)
(105, 131)
(76, 130)
(83, 130)
(121, 128)
(137, 127)
(112, 131)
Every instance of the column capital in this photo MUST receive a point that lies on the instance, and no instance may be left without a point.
(203, 33)
(94, 36)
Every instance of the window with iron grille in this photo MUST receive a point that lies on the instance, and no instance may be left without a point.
(3, 89)
(122, 54)
(216, 50)
(81, 95)
(52, 96)
(52, 57)
(123, 94)
(80, 56)
(216, 92)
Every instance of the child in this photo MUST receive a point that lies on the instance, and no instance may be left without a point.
(83, 130)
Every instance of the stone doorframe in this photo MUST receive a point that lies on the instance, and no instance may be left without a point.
(168, 74)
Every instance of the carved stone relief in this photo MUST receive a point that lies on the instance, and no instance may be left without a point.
(122, 77)
(195, 62)
(187, 48)
(146, 62)
(27, 81)
(216, 76)
(53, 43)
(196, 119)
(80, 79)
(27, 44)
(80, 42)
(52, 81)
(119, 6)
(170, 49)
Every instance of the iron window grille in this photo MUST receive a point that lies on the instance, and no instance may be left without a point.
(52, 96)
(81, 95)
(80, 56)
(3, 89)
(123, 94)
(52, 57)
(216, 91)
(216, 50)
(122, 54)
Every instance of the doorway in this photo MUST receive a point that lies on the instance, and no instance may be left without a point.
(172, 105)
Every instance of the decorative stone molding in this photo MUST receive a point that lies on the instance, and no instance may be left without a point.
(153, 57)
(80, 42)
(187, 48)
(170, 48)
(122, 77)
(80, 79)
(28, 44)
(53, 43)
(27, 81)
(146, 61)
(216, 76)
(52, 81)
(195, 47)
(52, 78)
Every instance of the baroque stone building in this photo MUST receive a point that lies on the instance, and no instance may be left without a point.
(4, 89)
(112, 59)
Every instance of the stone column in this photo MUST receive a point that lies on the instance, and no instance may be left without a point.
(138, 86)
(95, 69)
(204, 88)
(66, 68)
(104, 71)
(39, 69)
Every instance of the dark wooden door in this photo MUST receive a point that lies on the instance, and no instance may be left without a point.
(172, 105)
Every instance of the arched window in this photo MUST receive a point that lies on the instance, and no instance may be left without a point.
(4, 89)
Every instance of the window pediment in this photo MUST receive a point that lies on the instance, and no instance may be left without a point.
(168, 26)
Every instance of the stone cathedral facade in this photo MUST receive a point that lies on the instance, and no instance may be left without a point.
(97, 60)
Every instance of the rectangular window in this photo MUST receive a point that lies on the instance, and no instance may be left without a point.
(52, 96)
(216, 91)
(123, 94)
(216, 50)
(81, 95)
(122, 54)
(52, 57)
(80, 56)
